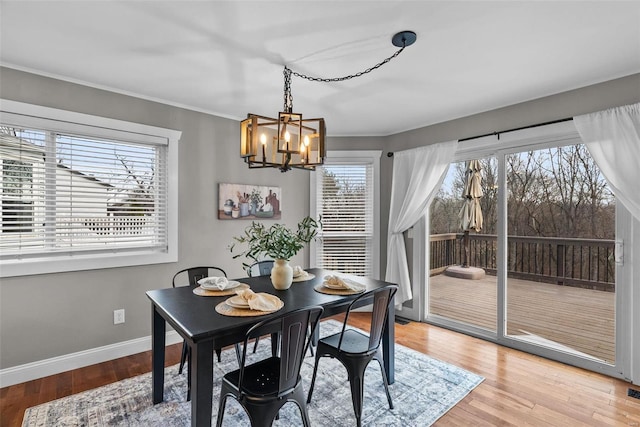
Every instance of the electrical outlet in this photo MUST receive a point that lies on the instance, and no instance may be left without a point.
(118, 316)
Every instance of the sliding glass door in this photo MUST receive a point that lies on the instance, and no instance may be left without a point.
(545, 255)
(561, 278)
(463, 285)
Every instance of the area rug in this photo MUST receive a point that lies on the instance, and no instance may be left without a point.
(424, 390)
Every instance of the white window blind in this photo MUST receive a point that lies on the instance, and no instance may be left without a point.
(345, 201)
(65, 193)
(80, 192)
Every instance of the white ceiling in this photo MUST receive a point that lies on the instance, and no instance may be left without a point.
(227, 57)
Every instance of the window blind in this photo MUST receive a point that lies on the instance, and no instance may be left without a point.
(345, 201)
(64, 192)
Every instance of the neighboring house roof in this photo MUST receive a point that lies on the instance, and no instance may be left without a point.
(10, 145)
(85, 176)
(21, 148)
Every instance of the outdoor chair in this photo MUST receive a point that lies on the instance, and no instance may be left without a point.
(263, 387)
(190, 277)
(355, 350)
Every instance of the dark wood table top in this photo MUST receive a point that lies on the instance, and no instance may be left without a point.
(196, 319)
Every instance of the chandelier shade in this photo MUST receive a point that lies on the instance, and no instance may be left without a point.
(285, 143)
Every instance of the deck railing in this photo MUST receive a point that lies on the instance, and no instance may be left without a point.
(585, 263)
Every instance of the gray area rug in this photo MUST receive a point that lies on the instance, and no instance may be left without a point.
(424, 390)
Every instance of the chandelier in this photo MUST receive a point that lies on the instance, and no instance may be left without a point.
(290, 141)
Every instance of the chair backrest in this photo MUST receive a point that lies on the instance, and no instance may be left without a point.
(190, 276)
(260, 268)
(294, 342)
(382, 298)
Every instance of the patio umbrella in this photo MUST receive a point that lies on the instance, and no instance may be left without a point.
(471, 213)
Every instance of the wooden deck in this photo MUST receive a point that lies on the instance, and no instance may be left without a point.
(574, 319)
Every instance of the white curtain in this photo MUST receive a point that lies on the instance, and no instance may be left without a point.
(613, 138)
(417, 176)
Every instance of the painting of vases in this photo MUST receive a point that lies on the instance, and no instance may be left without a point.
(245, 201)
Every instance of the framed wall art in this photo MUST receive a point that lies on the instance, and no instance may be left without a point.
(242, 201)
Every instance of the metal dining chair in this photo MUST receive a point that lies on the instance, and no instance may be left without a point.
(263, 268)
(355, 349)
(260, 268)
(190, 277)
(263, 387)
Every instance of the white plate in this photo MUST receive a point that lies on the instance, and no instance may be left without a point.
(237, 302)
(230, 285)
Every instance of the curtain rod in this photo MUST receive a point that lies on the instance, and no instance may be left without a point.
(515, 129)
(390, 154)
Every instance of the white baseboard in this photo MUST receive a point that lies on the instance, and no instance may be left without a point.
(67, 362)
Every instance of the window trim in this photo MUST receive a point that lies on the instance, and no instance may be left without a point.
(348, 157)
(29, 115)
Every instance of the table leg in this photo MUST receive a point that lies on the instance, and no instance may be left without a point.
(158, 330)
(201, 383)
(388, 344)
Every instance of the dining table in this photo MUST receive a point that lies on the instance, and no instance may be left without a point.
(195, 319)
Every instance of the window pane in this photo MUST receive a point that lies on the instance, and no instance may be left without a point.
(345, 203)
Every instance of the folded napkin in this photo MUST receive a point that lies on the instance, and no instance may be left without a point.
(261, 301)
(339, 283)
(213, 282)
(299, 272)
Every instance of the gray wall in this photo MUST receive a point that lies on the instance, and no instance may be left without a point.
(56, 314)
(589, 99)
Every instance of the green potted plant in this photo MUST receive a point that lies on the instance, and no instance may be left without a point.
(277, 242)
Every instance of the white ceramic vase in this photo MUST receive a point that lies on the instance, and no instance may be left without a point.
(281, 274)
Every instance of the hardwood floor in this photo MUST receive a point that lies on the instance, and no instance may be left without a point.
(519, 388)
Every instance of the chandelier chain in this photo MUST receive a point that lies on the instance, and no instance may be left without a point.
(288, 97)
(340, 79)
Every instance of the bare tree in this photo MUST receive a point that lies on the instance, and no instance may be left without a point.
(139, 187)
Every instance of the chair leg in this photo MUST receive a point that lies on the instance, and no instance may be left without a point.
(183, 358)
(219, 354)
(313, 339)
(221, 406)
(385, 382)
(255, 346)
(357, 395)
(238, 353)
(312, 344)
(313, 377)
(298, 398)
